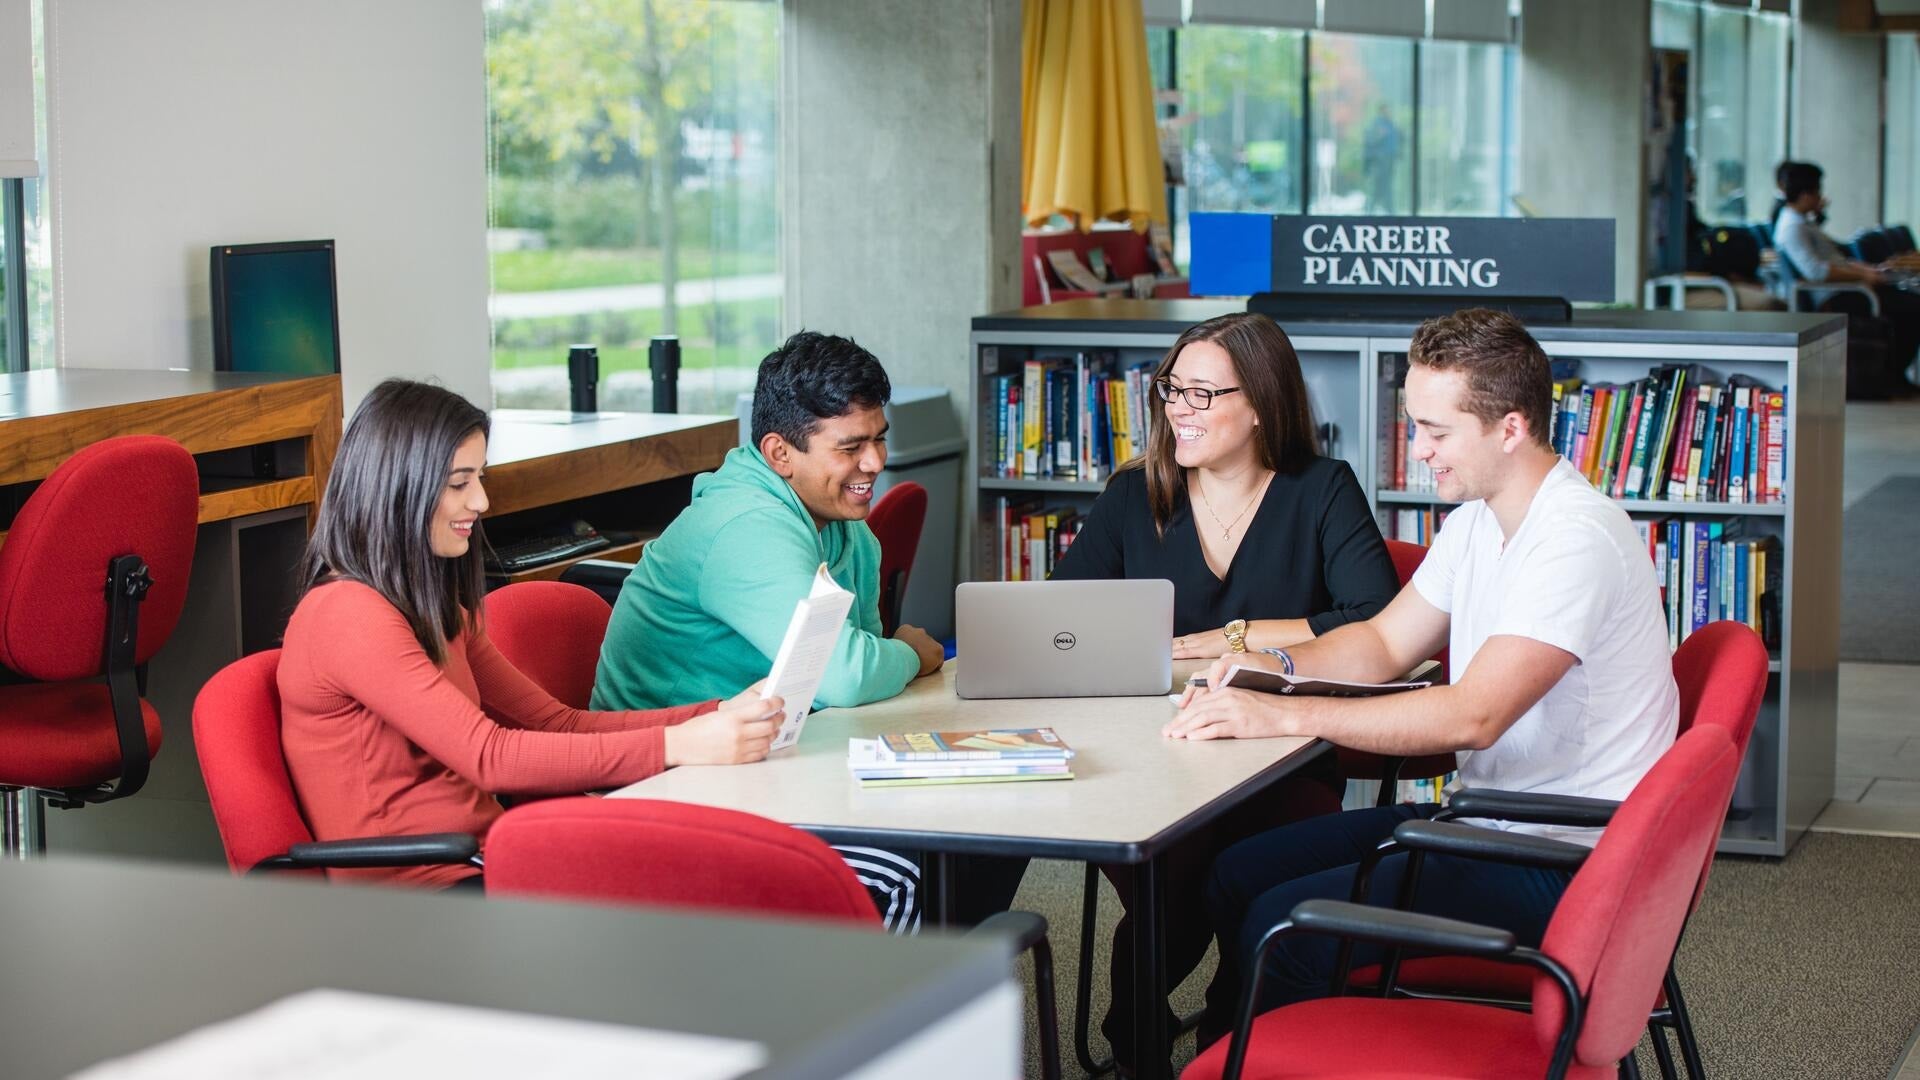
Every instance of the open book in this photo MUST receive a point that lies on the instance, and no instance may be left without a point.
(802, 660)
(1273, 682)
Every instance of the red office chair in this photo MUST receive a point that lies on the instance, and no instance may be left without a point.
(236, 730)
(1721, 673)
(1596, 974)
(551, 631)
(896, 520)
(1360, 765)
(92, 579)
(668, 854)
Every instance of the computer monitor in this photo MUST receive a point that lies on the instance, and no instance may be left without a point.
(274, 308)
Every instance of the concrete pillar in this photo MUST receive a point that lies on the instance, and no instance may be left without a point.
(900, 198)
(1836, 112)
(900, 132)
(1583, 79)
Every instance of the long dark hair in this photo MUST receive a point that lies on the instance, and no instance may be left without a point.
(1269, 375)
(377, 517)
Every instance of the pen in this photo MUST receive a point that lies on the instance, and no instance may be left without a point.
(1197, 680)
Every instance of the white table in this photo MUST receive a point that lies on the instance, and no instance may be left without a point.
(1134, 794)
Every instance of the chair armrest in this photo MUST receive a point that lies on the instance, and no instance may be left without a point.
(1531, 807)
(1410, 929)
(1801, 288)
(1493, 845)
(1024, 928)
(360, 853)
(1678, 284)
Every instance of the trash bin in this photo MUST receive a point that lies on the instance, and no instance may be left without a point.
(924, 445)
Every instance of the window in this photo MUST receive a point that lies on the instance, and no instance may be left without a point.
(1362, 123)
(1463, 128)
(1241, 96)
(1902, 169)
(1737, 115)
(632, 186)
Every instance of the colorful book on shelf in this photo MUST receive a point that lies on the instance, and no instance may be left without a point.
(1040, 743)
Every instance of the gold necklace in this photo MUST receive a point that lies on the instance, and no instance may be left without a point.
(1226, 527)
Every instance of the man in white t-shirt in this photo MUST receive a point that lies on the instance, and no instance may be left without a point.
(1561, 677)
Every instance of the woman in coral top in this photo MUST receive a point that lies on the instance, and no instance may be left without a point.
(398, 716)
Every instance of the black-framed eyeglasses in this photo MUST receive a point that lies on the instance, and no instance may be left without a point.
(1197, 397)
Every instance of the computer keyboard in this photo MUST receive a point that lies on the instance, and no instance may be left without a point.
(542, 550)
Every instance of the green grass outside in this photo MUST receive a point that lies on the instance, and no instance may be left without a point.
(727, 334)
(580, 268)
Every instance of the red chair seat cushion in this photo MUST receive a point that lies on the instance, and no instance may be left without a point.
(1459, 975)
(61, 735)
(1356, 1037)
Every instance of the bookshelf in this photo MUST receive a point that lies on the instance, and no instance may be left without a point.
(1349, 367)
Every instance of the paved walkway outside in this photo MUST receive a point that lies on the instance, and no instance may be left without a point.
(541, 305)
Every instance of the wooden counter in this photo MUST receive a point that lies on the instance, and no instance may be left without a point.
(48, 415)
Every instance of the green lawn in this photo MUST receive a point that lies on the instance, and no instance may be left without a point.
(579, 268)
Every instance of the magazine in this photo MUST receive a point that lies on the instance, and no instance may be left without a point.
(1274, 682)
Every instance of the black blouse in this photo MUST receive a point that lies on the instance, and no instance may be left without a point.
(1312, 551)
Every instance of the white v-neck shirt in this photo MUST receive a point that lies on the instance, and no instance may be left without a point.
(1575, 576)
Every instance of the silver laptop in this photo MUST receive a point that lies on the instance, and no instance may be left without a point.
(1030, 639)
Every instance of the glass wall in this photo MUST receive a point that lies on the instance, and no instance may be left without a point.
(632, 186)
(1289, 121)
(1463, 113)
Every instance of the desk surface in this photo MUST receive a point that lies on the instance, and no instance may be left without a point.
(125, 955)
(533, 465)
(1130, 787)
(521, 435)
(55, 391)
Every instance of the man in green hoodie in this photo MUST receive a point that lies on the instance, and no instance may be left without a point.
(703, 613)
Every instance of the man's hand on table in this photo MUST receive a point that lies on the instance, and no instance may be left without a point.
(930, 652)
(1238, 714)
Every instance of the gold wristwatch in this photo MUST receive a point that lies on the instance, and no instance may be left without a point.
(1236, 632)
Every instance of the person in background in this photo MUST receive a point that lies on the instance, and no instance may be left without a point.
(1817, 258)
(1268, 545)
(1562, 680)
(703, 612)
(398, 716)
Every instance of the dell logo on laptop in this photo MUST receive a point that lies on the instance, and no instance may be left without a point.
(1063, 641)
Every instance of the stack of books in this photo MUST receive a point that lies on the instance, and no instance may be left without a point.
(959, 757)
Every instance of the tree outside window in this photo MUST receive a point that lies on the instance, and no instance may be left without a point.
(633, 193)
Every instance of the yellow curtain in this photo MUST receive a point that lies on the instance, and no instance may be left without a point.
(1088, 145)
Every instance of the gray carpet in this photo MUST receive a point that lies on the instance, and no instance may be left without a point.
(1802, 967)
(1879, 592)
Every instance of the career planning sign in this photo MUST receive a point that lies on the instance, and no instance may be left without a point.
(1239, 254)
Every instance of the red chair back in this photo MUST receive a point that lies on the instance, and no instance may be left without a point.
(896, 521)
(1617, 924)
(236, 732)
(668, 854)
(1721, 670)
(1406, 559)
(131, 495)
(551, 631)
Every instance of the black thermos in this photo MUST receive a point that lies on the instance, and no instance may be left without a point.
(663, 360)
(583, 378)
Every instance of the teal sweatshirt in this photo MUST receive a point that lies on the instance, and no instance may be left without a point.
(702, 614)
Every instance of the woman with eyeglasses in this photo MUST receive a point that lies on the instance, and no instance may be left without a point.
(1267, 544)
